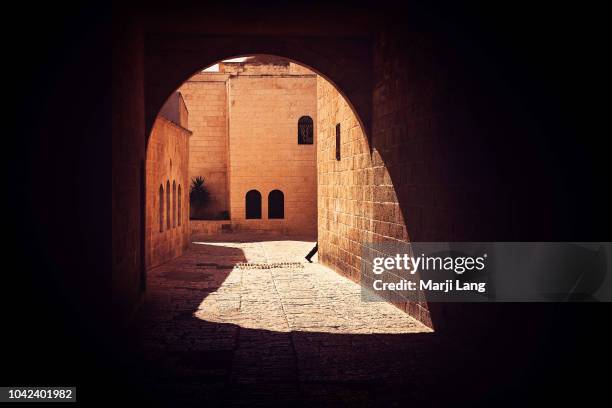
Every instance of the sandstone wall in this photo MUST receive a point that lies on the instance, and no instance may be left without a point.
(209, 227)
(167, 165)
(206, 99)
(261, 65)
(175, 110)
(357, 201)
(264, 150)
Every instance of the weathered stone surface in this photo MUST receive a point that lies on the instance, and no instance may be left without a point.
(357, 200)
(244, 120)
(167, 234)
(206, 99)
(261, 335)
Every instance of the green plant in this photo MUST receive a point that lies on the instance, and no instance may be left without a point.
(198, 193)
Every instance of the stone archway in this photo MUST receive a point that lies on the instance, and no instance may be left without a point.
(368, 206)
(401, 85)
(344, 62)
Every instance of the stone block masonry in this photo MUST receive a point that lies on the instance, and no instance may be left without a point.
(244, 120)
(167, 202)
(206, 99)
(357, 202)
(265, 154)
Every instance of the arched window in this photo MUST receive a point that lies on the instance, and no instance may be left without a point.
(253, 204)
(180, 200)
(276, 204)
(173, 204)
(305, 129)
(161, 208)
(168, 220)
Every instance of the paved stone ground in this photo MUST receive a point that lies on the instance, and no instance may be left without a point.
(213, 331)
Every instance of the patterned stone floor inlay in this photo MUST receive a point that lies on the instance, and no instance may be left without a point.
(251, 265)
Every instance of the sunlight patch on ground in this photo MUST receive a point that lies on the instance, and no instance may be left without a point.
(311, 298)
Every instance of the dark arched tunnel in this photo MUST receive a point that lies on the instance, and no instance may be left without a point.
(485, 119)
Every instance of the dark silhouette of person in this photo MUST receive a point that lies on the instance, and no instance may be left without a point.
(312, 252)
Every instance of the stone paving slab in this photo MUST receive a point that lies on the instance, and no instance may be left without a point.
(310, 298)
(270, 332)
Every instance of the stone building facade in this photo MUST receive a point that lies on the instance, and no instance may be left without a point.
(357, 202)
(245, 120)
(206, 97)
(167, 184)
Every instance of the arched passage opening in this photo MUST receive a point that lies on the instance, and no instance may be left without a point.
(418, 129)
(339, 187)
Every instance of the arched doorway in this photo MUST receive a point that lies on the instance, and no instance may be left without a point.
(276, 204)
(253, 205)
